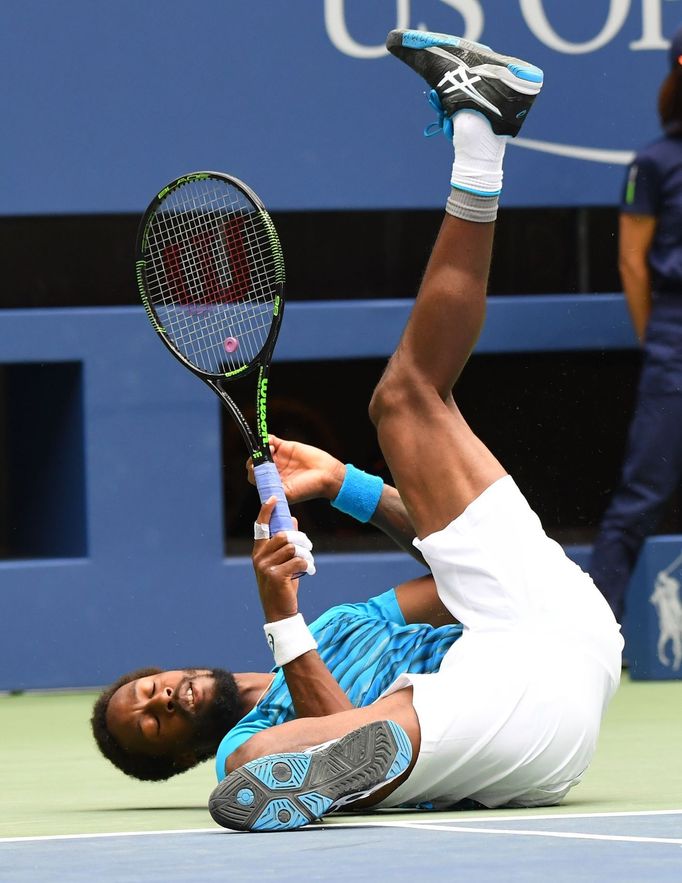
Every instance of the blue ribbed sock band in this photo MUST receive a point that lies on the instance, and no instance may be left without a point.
(360, 494)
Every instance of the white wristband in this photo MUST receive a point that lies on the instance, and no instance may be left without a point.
(289, 638)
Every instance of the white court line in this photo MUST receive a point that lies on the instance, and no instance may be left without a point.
(520, 832)
(562, 815)
(115, 834)
(414, 823)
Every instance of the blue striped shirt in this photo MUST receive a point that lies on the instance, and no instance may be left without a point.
(365, 646)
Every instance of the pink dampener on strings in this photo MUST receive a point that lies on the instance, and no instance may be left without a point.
(231, 344)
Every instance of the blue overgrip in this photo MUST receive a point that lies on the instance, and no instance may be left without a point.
(269, 484)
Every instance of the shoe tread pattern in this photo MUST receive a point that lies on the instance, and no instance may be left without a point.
(319, 782)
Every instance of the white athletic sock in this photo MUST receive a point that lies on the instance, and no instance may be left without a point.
(479, 153)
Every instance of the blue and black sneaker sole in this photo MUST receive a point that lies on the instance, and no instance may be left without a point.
(282, 792)
(522, 70)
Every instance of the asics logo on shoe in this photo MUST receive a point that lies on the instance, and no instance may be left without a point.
(462, 80)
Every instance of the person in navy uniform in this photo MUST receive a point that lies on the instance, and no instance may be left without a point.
(650, 263)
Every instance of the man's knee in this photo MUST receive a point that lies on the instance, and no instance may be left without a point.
(396, 393)
(378, 403)
(259, 745)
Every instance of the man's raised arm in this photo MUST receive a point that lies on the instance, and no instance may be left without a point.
(309, 473)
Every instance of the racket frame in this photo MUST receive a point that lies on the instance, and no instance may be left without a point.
(257, 442)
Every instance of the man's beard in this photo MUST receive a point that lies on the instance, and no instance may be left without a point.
(219, 715)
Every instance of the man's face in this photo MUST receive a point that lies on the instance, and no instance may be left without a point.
(172, 714)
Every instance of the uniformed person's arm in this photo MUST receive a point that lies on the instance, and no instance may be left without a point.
(635, 238)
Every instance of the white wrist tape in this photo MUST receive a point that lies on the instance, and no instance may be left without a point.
(289, 638)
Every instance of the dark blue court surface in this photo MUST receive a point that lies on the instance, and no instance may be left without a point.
(618, 846)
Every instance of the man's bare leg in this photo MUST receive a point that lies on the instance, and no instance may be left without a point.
(438, 464)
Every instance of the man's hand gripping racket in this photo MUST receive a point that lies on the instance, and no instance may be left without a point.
(278, 562)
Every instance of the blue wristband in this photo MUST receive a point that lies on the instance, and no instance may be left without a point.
(360, 494)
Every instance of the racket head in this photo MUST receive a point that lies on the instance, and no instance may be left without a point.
(211, 275)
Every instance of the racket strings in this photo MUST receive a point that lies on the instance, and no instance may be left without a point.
(213, 267)
(199, 324)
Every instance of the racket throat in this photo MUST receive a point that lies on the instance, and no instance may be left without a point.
(261, 411)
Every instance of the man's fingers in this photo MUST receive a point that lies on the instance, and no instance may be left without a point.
(310, 569)
(266, 510)
(302, 549)
(261, 531)
(298, 566)
(286, 546)
(298, 538)
(261, 526)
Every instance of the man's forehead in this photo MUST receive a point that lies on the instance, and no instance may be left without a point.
(124, 696)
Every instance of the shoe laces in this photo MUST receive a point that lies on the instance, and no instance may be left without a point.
(443, 123)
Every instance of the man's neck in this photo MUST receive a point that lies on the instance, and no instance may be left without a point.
(252, 685)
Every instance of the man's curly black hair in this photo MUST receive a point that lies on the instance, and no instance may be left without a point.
(141, 766)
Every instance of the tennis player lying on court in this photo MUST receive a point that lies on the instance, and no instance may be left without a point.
(507, 714)
(513, 713)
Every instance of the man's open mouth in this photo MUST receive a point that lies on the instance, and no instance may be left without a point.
(189, 697)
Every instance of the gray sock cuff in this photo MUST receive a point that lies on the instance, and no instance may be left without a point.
(471, 207)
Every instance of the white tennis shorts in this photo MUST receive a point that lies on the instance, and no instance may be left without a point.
(513, 714)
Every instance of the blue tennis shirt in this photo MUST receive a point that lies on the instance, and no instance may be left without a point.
(365, 646)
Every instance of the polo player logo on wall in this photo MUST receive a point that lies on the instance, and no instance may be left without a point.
(668, 603)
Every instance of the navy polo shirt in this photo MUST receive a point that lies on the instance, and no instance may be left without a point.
(653, 186)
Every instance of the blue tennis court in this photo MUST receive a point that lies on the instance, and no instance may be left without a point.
(540, 846)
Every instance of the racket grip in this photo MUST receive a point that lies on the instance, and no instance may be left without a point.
(269, 484)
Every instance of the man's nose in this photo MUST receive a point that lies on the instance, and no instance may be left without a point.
(162, 700)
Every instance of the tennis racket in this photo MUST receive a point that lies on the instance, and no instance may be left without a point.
(211, 275)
